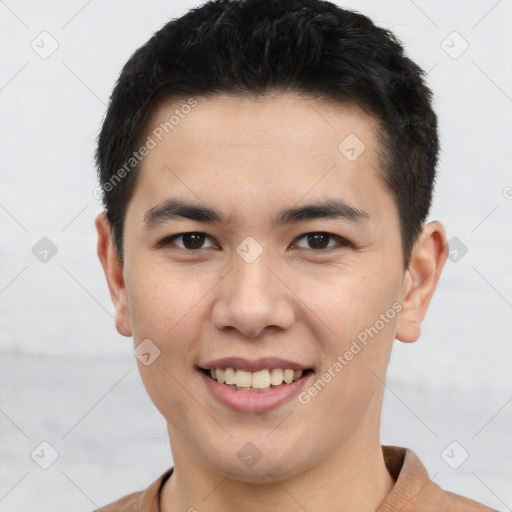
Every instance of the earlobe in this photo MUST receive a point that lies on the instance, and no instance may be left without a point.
(427, 261)
(113, 269)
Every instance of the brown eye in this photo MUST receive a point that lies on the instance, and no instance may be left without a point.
(320, 240)
(192, 241)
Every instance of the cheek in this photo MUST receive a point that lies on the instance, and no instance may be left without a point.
(352, 301)
(166, 309)
(362, 309)
(163, 304)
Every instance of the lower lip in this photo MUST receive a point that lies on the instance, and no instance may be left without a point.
(253, 401)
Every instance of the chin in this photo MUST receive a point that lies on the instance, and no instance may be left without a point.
(264, 470)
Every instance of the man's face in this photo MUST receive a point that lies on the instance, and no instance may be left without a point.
(259, 284)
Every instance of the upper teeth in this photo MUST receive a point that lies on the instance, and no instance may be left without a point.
(259, 380)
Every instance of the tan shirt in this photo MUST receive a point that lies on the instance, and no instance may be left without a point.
(412, 492)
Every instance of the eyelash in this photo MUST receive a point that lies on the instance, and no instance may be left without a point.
(341, 241)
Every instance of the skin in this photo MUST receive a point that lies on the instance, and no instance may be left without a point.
(250, 158)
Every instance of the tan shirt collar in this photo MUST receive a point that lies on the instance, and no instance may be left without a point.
(413, 491)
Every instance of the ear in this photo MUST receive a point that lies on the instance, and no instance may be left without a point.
(428, 257)
(113, 269)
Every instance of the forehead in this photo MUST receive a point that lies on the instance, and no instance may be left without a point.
(260, 151)
(284, 121)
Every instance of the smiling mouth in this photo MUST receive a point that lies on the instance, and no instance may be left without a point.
(259, 381)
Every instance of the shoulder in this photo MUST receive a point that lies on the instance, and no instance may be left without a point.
(147, 500)
(435, 498)
(128, 503)
(414, 490)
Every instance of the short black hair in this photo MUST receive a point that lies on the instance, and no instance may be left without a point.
(256, 47)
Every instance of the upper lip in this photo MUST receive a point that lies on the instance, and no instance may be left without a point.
(262, 363)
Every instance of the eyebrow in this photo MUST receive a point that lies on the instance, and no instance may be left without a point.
(172, 209)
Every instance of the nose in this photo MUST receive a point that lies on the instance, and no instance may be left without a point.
(253, 299)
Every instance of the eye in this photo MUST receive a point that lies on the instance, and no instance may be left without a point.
(319, 240)
(192, 241)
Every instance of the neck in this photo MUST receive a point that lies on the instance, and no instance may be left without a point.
(354, 478)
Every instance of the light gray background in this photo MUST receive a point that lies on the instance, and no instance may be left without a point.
(68, 378)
